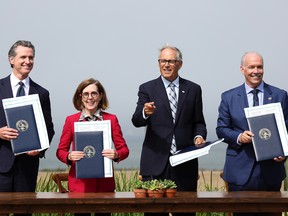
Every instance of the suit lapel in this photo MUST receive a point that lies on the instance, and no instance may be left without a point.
(183, 90)
(242, 97)
(162, 94)
(32, 87)
(267, 97)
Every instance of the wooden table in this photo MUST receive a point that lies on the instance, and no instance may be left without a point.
(50, 202)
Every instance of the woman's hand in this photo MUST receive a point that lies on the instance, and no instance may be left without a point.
(110, 153)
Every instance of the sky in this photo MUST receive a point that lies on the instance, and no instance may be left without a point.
(117, 42)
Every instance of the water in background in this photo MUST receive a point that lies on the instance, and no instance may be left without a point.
(213, 161)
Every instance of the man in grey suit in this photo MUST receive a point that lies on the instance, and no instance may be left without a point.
(19, 173)
(241, 170)
(170, 108)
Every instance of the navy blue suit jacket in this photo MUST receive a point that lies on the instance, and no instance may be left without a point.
(189, 122)
(232, 121)
(7, 157)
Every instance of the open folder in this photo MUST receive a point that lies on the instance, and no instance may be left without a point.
(192, 152)
(25, 115)
(92, 137)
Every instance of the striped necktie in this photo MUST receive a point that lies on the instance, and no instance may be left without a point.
(173, 105)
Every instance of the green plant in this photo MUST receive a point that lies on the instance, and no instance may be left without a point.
(125, 179)
(209, 186)
(154, 184)
(169, 184)
(139, 184)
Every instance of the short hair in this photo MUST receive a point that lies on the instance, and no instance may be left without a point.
(248, 53)
(167, 46)
(24, 43)
(77, 98)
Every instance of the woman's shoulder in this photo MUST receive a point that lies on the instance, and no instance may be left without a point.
(107, 115)
(74, 116)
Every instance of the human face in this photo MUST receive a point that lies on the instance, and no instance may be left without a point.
(90, 99)
(169, 71)
(23, 62)
(252, 69)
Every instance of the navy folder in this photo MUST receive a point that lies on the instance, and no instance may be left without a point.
(22, 119)
(194, 147)
(92, 165)
(266, 140)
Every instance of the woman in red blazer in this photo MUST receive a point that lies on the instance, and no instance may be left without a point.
(90, 99)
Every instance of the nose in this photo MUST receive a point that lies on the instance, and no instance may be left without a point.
(28, 60)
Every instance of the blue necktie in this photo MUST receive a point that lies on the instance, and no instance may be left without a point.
(20, 91)
(255, 97)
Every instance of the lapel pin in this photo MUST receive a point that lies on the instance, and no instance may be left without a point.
(183, 91)
(270, 98)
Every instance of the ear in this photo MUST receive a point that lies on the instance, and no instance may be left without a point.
(180, 64)
(242, 69)
(11, 60)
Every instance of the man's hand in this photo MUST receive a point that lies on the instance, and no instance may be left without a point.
(8, 133)
(279, 159)
(33, 153)
(246, 137)
(149, 108)
(199, 140)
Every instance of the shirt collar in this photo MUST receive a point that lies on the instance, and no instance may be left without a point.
(248, 89)
(96, 116)
(167, 82)
(15, 81)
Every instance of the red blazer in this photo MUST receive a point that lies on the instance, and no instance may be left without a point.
(67, 138)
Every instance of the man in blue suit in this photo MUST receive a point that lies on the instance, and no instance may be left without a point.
(185, 127)
(19, 173)
(241, 170)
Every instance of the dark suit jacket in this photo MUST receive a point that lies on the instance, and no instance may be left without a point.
(232, 121)
(7, 157)
(189, 122)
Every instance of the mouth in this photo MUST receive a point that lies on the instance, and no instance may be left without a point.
(257, 75)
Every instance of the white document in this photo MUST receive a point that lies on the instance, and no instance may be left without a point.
(104, 126)
(275, 108)
(39, 118)
(191, 153)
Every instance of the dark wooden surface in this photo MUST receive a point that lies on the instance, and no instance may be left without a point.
(48, 202)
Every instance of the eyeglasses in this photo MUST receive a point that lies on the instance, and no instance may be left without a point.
(170, 62)
(93, 94)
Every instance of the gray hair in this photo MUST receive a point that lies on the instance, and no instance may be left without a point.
(12, 51)
(248, 53)
(167, 46)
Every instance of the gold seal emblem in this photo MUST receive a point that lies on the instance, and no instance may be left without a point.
(89, 151)
(22, 125)
(265, 134)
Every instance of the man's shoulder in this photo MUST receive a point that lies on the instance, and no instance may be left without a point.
(187, 82)
(5, 79)
(149, 82)
(37, 86)
(234, 90)
(274, 89)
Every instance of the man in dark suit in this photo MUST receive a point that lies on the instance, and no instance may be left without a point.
(186, 128)
(241, 170)
(19, 173)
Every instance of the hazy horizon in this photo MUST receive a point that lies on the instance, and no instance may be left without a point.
(117, 43)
